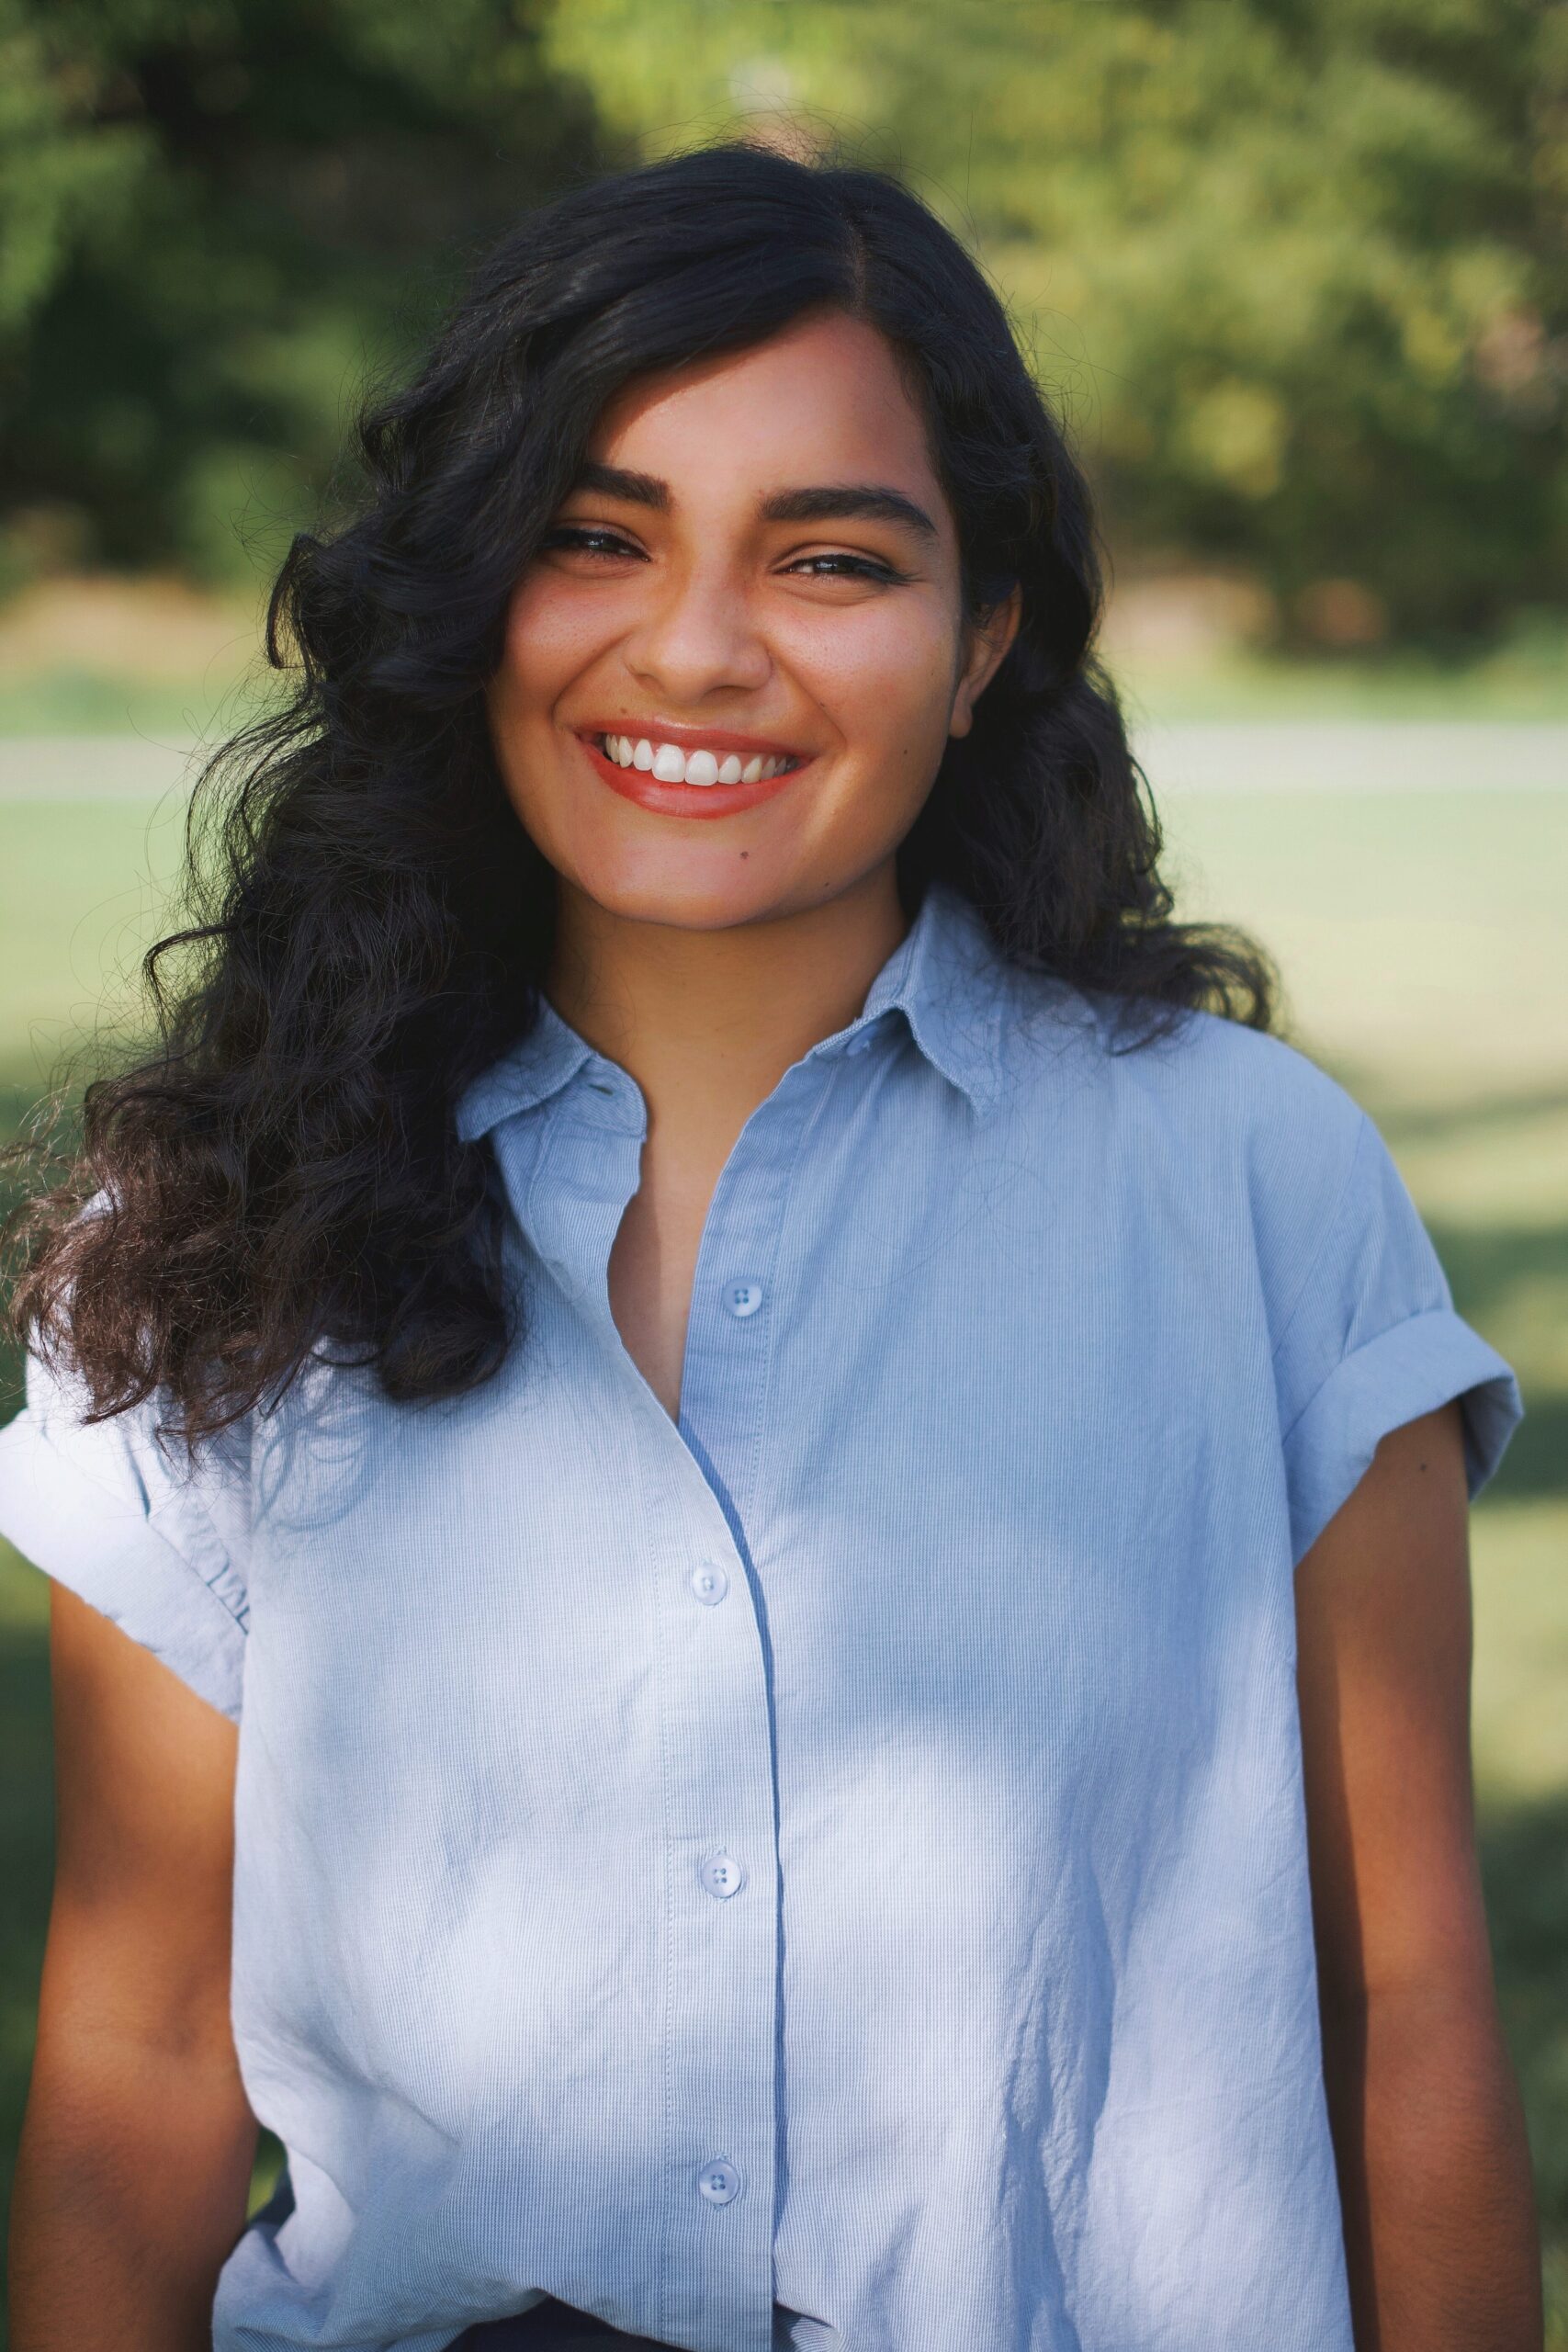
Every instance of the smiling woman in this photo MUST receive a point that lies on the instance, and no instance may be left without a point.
(373, 909)
(804, 1681)
(683, 575)
(683, 566)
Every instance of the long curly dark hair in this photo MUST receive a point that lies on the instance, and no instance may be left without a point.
(283, 1175)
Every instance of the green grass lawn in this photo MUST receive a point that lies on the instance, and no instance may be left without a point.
(1422, 941)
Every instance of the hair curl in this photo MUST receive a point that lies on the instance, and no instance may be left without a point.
(283, 1171)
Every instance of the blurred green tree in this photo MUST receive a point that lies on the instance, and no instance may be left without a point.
(1296, 269)
(215, 216)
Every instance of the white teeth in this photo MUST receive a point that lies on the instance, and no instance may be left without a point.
(670, 765)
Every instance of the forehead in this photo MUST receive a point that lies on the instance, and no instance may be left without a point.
(823, 399)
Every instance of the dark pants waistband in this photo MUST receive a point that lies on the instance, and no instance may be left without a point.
(551, 2326)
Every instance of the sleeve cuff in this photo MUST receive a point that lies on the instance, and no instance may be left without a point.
(1406, 1370)
(104, 1548)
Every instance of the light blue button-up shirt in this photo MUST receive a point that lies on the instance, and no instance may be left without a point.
(845, 1852)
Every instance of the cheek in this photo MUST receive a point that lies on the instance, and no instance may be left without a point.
(548, 642)
(550, 635)
(541, 649)
(884, 679)
(879, 671)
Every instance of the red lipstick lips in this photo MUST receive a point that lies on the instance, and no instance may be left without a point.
(662, 799)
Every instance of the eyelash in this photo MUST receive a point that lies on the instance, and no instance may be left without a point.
(860, 567)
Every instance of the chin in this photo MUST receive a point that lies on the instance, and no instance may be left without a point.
(703, 894)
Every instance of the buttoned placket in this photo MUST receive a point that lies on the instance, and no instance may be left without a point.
(723, 1746)
(720, 2018)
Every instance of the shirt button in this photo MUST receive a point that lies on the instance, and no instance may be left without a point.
(743, 1298)
(709, 1583)
(718, 2181)
(722, 1874)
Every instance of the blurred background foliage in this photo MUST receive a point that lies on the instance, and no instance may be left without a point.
(1294, 268)
(216, 220)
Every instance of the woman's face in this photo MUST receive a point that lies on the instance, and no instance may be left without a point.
(757, 566)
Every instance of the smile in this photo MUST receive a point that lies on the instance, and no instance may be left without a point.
(703, 775)
(668, 764)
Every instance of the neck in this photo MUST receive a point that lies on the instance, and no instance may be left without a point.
(707, 1021)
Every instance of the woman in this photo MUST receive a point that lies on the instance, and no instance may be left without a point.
(818, 1593)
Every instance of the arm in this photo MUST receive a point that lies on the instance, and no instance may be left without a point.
(137, 2141)
(1434, 2170)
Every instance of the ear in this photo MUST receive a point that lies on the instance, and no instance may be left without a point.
(988, 640)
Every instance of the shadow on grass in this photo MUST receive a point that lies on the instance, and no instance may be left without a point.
(1403, 1123)
(1524, 1861)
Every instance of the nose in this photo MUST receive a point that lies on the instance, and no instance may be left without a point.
(698, 634)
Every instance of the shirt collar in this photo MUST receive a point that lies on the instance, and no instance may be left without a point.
(948, 978)
(945, 976)
(540, 1063)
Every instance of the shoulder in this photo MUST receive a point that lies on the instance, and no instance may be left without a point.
(115, 1508)
(1253, 1108)
(1208, 1146)
(1206, 1100)
(1246, 1188)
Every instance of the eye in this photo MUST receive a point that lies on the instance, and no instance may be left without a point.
(590, 539)
(838, 564)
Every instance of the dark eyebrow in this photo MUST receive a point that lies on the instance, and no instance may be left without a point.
(867, 501)
(615, 482)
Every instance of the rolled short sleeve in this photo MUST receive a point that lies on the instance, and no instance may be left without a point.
(120, 1517)
(1373, 1342)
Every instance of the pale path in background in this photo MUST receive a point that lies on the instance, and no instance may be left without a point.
(1353, 754)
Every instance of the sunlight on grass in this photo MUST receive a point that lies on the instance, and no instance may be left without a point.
(1519, 1554)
